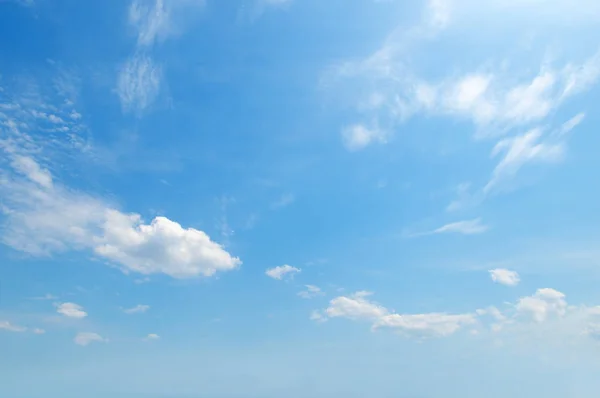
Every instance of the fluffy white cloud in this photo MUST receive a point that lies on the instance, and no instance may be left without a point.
(162, 246)
(282, 271)
(534, 316)
(138, 83)
(71, 310)
(505, 277)
(311, 292)
(138, 309)
(43, 216)
(86, 338)
(543, 304)
(9, 327)
(357, 307)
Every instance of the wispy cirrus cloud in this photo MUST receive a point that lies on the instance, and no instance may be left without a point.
(465, 227)
(138, 83)
(499, 99)
(140, 77)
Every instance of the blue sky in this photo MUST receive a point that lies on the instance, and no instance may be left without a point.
(266, 198)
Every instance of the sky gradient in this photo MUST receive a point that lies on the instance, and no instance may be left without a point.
(299, 198)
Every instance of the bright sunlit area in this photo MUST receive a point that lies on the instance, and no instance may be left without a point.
(299, 199)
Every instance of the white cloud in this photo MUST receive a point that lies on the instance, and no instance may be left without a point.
(543, 304)
(508, 96)
(138, 309)
(359, 136)
(152, 337)
(29, 168)
(71, 310)
(318, 317)
(311, 292)
(357, 307)
(86, 338)
(543, 314)
(519, 151)
(426, 325)
(282, 271)
(505, 277)
(9, 327)
(42, 216)
(39, 331)
(138, 83)
(152, 21)
(467, 227)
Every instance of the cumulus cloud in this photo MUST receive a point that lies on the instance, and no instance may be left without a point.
(43, 216)
(356, 307)
(138, 309)
(71, 310)
(543, 304)
(546, 311)
(87, 338)
(282, 272)
(359, 308)
(505, 277)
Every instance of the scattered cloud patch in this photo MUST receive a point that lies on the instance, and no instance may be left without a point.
(505, 277)
(152, 337)
(358, 307)
(359, 136)
(9, 327)
(543, 304)
(311, 291)
(138, 309)
(39, 331)
(87, 338)
(71, 310)
(139, 83)
(282, 272)
(42, 216)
